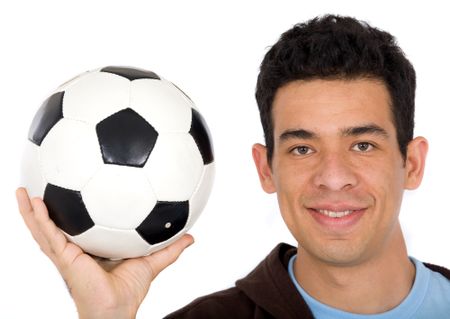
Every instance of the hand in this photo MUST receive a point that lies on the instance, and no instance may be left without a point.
(100, 289)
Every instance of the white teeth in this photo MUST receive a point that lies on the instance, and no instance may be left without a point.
(333, 214)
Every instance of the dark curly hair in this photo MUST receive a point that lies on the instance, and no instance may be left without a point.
(337, 47)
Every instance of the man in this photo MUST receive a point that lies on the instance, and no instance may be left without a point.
(336, 99)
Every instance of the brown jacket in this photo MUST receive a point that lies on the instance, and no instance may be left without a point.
(267, 292)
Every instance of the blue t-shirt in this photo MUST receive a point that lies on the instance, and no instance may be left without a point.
(428, 298)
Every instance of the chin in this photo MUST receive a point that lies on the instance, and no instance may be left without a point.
(339, 253)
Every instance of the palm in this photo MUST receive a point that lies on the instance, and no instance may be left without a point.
(108, 282)
(96, 284)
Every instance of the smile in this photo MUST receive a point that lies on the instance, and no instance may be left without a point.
(338, 219)
(334, 214)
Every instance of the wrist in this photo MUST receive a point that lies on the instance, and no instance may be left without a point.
(105, 314)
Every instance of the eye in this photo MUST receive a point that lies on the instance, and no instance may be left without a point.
(363, 147)
(301, 150)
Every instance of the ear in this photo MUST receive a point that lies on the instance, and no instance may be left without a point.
(259, 153)
(415, 162)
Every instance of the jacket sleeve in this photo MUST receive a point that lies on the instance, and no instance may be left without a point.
(226, 304)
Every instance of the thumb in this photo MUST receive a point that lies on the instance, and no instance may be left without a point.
(161, 259)
(138, 273)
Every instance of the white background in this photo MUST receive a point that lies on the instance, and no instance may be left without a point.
(211, 50)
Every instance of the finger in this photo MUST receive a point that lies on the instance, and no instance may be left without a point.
(56, 241)
(161, 259)
(50, 239)
(26, 210)
(142, 271)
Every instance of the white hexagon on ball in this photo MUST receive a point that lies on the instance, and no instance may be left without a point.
(31, 173)
(112, 243)
(95, 96)
(70, 154)
(147, 97)
(200, 197)
(118, 197)
(174, 167)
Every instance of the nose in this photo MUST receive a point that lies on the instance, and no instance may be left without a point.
(335, 173)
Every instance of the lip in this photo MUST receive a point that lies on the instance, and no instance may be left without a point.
(336, 207)
(340, 224)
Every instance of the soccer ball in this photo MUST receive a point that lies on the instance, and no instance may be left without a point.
(122, 159)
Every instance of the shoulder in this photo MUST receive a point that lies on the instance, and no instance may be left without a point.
(439, 269)
(267, 292)
(229, 303)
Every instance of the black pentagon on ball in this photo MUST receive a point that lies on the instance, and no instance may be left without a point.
(200, 133)
(46, 117)
(126, 138)
(131, 73)
(67, 210)
(165, 220)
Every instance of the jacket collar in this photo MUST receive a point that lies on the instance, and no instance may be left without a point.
(271, 288)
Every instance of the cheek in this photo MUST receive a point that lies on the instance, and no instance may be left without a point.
(290, 179)
(395, 194)
(385, 182)
(291, 184)
(285, 186)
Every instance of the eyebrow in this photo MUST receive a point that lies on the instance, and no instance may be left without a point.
(372, 129)
(297, 133)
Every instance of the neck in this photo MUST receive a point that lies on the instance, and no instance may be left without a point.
(374, 285)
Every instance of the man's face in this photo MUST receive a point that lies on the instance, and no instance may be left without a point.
(336, 167)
